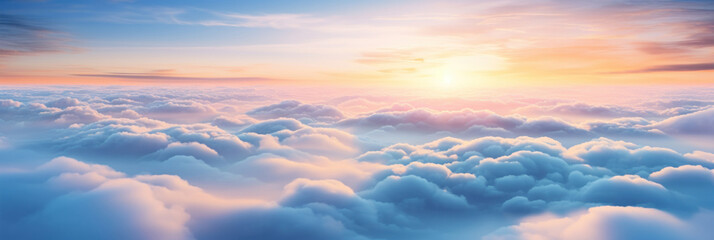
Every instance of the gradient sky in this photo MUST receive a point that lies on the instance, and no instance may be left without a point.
(464, 44)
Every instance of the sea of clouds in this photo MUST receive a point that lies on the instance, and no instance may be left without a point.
(267, 163)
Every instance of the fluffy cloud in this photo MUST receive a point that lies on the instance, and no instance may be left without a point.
(314, 140)
(625, 157)
(583, 109)
(70, 199)
(297, 110)
(470, 123)
(687, 176)
(610, 223)
(145, 138)
(123, 208)
(627, 190)
(701, 122)
(415, 194)
(689, 180)
(527, 175)
(179, 111)
(179, 164)
(271, 126)
(75, 200)
(230, 124)
(425, 120)
(63, 103)
(38, 116)
(634, 126)
(465, 122)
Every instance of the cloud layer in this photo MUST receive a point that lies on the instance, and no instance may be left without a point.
(148, 164)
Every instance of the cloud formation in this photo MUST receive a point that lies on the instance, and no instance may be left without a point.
(188, 166)
(611, 223)
(466, 122)
(297, 110)
(700, 122)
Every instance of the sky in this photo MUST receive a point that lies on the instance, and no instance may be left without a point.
(389, 120)
(374, 43)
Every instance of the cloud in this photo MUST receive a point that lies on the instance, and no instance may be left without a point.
(498, 147)
(521, 205)
(122, 208)
(199, 173)
(624, 157)
(465, 122)
(297, 110)
(264, 21)
(158, 78)
(679, 103)
(87, 201)
(549, 126)
(584, 109)
(389, 202)
(606, 222)
(627, 190)
(686, 176)
(469, 123)
(63, 103)
(231, 124)
(674, 68)
(144, 139)
(22, 36)
(425, 120)
(272, 126)
(209, 18)
(413, 193)
(314, 140)
(269, 167)
(688, 179)
(275, 223)
(179, 111)
(636, 127)
(193, 149)
(528, 175)
(697, 123)
(69, 199)
(36, 116)
(209, 168)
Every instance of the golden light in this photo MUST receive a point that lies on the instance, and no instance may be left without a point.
(459, 72)
(446, 80)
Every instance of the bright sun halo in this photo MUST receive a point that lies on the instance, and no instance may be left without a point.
(446, 80)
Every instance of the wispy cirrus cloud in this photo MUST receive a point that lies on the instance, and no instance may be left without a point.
(159, 78)
(204, 17)
(674, 68)
(22, 36)
(263, 21)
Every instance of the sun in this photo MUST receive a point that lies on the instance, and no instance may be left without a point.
(447, 80)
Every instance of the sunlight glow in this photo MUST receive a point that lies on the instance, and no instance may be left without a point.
(446, 80)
